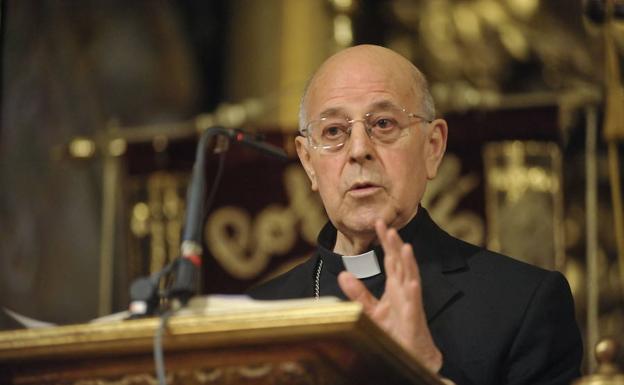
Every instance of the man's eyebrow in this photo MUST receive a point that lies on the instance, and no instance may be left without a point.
(381, 104)
(333, 111)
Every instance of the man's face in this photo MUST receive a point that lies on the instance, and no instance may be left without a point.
(366, 180)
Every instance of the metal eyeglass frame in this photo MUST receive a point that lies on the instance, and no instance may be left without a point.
(305, 131)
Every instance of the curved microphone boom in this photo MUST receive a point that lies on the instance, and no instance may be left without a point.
(188, 265)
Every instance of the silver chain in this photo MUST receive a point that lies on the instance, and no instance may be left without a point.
(317, 280)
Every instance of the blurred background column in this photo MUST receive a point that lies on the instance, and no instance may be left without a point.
(274, 46)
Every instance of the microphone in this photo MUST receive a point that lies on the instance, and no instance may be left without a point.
(257, 142)
(187, 267)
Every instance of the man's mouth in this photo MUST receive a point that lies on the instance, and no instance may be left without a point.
(363, 189)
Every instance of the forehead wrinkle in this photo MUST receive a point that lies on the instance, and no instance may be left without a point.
(392, 88)
(333, 111)
(375, 66)
(375, 105)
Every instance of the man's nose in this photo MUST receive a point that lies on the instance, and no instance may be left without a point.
(360, 143)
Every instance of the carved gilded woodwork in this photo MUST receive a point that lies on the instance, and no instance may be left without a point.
(314, 343)
(524, 201)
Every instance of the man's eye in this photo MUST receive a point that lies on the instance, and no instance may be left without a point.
(332, 132)
(385, 123)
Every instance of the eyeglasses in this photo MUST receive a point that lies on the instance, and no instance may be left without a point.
(383, 126)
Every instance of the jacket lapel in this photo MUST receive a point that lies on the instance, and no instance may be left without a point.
(438, 255)
(437, 292)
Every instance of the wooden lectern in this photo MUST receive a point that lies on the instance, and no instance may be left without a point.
(315, 343)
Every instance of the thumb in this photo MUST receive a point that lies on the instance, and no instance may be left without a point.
(356, 291)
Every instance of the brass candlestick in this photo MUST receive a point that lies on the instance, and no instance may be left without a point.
(608, 372)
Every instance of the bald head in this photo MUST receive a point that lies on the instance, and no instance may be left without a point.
(355, 96)
(359, 63)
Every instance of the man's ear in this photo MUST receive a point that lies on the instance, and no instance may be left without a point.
(435, 146)
(304, 156)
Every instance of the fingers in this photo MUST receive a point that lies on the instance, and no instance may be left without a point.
(399, 260)
(409, 262)
(391, 243)
(381, 229)
(400, 310)
(356, 291)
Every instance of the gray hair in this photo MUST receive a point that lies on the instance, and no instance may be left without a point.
(422, 88)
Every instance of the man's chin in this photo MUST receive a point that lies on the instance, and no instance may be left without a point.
(363, 223)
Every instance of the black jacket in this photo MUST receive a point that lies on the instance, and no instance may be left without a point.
(496, 320)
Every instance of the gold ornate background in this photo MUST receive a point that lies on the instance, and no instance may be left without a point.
(102, 104)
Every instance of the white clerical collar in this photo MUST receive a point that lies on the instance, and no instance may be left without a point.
(363, 265)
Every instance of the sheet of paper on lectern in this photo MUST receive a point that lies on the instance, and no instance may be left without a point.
(220, 303)
(200, 305)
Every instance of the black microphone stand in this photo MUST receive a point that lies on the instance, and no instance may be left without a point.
(144, 293)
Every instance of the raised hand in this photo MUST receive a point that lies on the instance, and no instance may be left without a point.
(400, 310)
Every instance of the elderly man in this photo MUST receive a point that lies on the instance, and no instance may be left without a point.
(369, 143)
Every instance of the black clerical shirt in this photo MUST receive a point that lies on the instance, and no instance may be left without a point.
(496, 320)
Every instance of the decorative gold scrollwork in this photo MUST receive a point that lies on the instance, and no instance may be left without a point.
(289, 370)
(305, 204)
(524, 201)
(443, 196)
(244, 246)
